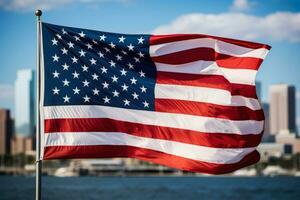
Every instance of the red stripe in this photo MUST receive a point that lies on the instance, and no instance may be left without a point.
(160, 39)
(109, 151)
(208, 109)
(243, 90)
(211, 81)
(217, 140)
(208, 54)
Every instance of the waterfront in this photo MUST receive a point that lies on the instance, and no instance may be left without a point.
(75, 188)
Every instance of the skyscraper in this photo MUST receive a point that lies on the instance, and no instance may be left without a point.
(25, 103)
(282, 109)
(5, 131)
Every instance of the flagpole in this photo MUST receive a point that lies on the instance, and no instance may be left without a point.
(38, 167)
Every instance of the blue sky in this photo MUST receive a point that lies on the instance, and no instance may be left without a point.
(273, 22)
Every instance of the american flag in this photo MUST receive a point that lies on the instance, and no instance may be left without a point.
(186, 101)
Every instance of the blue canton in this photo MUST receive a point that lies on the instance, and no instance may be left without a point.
(86, 67)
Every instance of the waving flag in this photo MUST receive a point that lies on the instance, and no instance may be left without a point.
(184, 101)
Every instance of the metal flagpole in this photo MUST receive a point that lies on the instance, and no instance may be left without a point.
(38, 169)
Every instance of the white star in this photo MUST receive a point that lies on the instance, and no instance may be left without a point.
(55, 74)
(102, 37)
(112, 45)
(141, 40)
(135, 96)
(130, 47)
(66, 82)
(85, 83)
(133, 80)
(86, 98)
(76, 90)
(64, 32)
(84, 68)
(124, 52)
(105, 85)
(121, 39)
(96, 91)
(126, 102)
(66, 99)
(55, 91)
(74, 59)
(141, 54)
(142, 74)
(75, 75)
(93, 61)
(123, 72)
(81, 34)
(106, 49)
(101, 55)
(104, 70)
(143, 89)
(94, 41)
(106, 100)
(58, 36)
(82, 53)
(89, 46)
(112, 63)
(55, 58)
(119, 57)
(71, 45)
(64, 51)
(136, 59)
(116, 93)
(125, 87)
(130, 66)
(95, 76)
(77, 38)
(114, 79)
(65, 66)
(54, 41)
(146, 104)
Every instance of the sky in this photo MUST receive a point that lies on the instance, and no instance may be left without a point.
(273, 22)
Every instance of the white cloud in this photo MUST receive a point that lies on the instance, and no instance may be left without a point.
(241, 5)
(282, 26)
(28, 5)
(6, 92)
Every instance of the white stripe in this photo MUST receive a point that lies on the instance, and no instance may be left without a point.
(199, 153)
(218, 45)
(191, 93)
(240, 76)
(244, 101)
(189, 122)
(203, 94)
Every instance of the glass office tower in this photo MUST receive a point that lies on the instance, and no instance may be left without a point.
(25, 103)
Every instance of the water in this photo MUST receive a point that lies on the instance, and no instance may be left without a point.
(167, 188)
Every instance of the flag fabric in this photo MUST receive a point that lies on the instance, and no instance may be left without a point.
(187, 101)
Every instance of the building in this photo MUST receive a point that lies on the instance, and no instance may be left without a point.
(273, 150)
(5, 131)
(290, 139)
(282, 109)
(21, 144)
(25, 103)
(267, 137)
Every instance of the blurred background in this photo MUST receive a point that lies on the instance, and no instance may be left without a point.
(272, 22)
